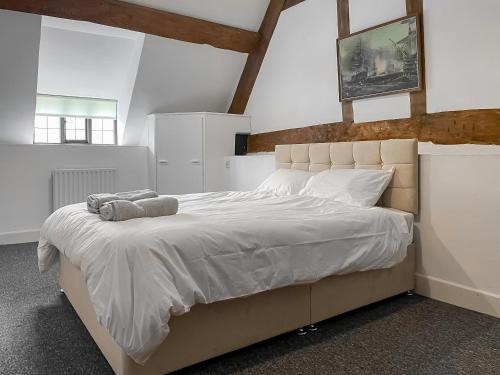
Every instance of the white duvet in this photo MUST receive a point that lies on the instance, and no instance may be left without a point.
(220, 246)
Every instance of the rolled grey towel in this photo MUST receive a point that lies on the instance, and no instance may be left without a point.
(96, 201)
(161, 206)
(120, 210)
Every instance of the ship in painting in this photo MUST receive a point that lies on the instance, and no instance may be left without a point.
(387, 69)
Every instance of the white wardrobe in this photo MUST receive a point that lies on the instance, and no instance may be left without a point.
(187, 150)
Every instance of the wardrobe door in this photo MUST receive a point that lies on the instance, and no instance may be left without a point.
(179, 154)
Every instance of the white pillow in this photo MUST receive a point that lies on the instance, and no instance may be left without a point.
(357, 187)
(285, 181)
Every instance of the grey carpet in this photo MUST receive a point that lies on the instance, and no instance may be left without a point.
(41, 334)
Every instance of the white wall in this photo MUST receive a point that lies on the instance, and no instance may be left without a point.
(457, 230)
(25, 184)
(462, 54)
(19, 39)
(176, 76)
(247, 172)
(297, 84)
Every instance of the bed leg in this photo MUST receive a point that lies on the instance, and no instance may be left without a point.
(312, 328)
(301, 332)
(411, 292)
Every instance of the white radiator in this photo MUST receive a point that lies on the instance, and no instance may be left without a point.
(74, 185)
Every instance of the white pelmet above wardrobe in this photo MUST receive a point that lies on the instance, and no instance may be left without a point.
(187, 150)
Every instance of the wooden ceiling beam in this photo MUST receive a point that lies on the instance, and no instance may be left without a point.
(255, 59)
(343, 26)
(477, 126)
(291, 3)
(139, 18)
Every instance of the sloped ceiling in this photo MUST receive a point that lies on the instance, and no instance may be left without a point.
(176, 76)
(82, 63)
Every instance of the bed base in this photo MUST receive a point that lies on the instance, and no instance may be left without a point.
(221, 327)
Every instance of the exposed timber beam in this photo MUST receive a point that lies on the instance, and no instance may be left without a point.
(477, 126)
(255, 58)
(291, 3)
(142, 19)
(418, 99)
(344, 29)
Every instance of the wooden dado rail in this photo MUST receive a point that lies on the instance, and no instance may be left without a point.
(480, 126)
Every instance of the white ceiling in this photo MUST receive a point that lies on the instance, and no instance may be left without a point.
(245, 14)
(74, 63)
(175, 76)
(88, 28)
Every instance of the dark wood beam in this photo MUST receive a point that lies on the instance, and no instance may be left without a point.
(291, 3)
(343, 31)
(477, 126)
(143, 19)
(255, 58)
(418, 99)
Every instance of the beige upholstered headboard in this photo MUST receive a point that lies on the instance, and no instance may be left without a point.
(402, 154)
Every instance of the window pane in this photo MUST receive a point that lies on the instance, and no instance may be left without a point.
(70, 135)
(70, 123)
(96, 124)
(103, 131)
(75, 129)
(54, 135)
(108, 137)
(80, 123)
(97, 137)
(108, 124)
(80, 135)
(54, 122)
(41, 122)
(40, 135)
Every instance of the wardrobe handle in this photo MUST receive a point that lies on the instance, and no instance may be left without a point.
(196, 162)
(163, 162)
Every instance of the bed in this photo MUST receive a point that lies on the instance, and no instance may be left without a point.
(227, 308)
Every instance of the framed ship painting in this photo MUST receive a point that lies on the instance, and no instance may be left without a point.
(382, 60)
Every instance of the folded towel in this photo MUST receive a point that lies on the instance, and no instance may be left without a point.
(120, 210)
(161, 206)
(95, 201)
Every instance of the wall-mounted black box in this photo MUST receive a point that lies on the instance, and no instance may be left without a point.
(240, 144)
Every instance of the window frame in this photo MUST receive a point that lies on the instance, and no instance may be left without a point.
(47, 128)
(87, 139)
(88, 133)
(115, 132)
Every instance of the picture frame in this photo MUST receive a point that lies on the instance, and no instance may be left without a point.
(381, 60)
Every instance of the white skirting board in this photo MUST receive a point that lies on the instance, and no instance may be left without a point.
(25, 236)
(459, 295)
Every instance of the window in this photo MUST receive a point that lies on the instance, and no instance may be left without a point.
(103, 131)
(75, 130)
(61, 119)
(47, 129)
